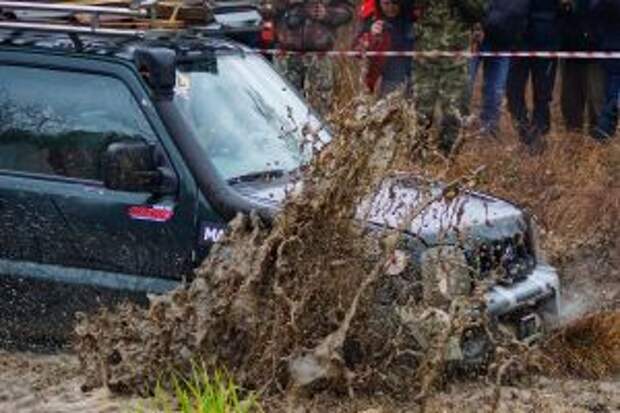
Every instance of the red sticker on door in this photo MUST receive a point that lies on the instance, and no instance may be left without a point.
(155, 213)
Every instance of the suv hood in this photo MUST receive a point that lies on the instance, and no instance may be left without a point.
(470, 216)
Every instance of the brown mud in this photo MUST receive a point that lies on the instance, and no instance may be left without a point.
(299, 305)
(51, 384)
(302, 320)
(33, 383)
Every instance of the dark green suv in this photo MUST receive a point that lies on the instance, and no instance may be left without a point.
(123, 158)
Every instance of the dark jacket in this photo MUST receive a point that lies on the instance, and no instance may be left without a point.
(296, 30)
(580, 31)
(504, 24)
(545, 25)
(606, 13)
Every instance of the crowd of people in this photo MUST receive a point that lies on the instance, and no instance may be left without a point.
(442, 88)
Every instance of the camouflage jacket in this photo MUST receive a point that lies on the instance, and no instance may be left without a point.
(447, 24)
(296, 30)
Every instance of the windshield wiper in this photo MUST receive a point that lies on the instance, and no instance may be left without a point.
(254, 176)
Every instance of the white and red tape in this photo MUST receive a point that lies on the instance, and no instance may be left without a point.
(448, 54)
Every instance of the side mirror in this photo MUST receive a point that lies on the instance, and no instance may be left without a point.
(130, 165)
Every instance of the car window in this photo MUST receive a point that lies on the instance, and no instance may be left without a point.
(248, 119)
(59, 123)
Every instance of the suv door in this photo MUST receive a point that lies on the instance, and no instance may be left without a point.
(54, 210)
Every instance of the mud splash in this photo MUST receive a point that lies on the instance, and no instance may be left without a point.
(299, 304)
(306, 303)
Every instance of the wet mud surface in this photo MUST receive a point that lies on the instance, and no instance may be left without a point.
(36, 383)
(49, 383)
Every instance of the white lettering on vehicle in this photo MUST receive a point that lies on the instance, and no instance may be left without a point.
(212, 234)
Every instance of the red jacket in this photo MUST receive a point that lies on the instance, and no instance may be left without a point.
(365, 41)
(368, 42)
(368, 9)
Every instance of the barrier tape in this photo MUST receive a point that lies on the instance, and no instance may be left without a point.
(439, 53)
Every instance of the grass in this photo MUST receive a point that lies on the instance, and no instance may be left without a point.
(201, 393)
(587, 348)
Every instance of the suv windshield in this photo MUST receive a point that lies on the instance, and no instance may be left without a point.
(247, 117)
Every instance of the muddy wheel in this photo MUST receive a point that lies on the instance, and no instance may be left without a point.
(476, 352)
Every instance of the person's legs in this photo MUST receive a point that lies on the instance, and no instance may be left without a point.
(495, 76)
(518, 76)
(292, 68)
(473, 67)
(426, 90)
(608, 121)
(595, 92)
(543, 75)
(454, 102)
(319, 82)
(573, 92)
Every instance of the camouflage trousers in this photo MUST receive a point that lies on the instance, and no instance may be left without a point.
(312, 74)
(442, 97)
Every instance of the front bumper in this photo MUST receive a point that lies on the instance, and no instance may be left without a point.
(541, 289)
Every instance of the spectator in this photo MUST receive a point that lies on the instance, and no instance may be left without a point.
(388, 27)
(607, 15)
(441, 84)
(583, 80)
(504, 22)
(310, 26)
(543, 34)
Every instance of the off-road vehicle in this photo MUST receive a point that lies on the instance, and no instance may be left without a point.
(125, 153)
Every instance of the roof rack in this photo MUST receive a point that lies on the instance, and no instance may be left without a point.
(135, 9)
(125, 18)
(53, 17)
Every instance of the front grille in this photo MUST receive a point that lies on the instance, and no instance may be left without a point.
(508, 260)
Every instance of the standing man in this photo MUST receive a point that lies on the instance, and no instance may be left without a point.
(543, 34)
(607, 15)
(583, 80)
(441, 85)
(501, 29)
(310, 26)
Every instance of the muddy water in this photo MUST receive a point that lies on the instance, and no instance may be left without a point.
(49, 383)
(32, 383)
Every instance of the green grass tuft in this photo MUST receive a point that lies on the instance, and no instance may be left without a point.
(202, 393)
